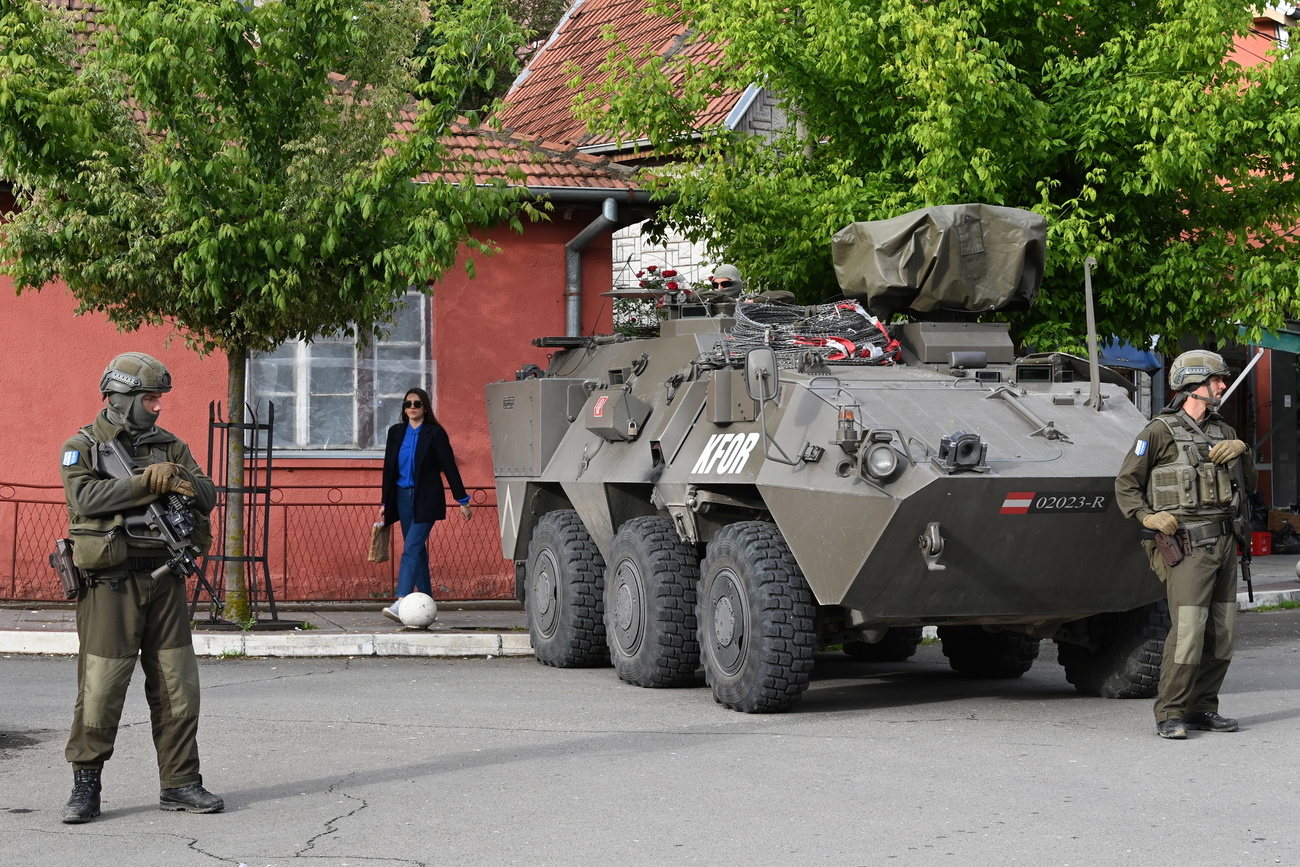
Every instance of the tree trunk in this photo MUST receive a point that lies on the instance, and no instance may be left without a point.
(236, 607)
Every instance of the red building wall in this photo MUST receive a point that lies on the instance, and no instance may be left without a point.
(482, 328)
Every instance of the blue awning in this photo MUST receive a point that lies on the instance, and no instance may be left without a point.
(1116, 353)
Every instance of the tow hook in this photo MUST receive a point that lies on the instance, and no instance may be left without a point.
(931, 544)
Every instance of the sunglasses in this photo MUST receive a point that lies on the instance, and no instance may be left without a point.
(412, 404)
(723, 283)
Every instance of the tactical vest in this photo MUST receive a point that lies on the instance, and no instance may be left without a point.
(100, 542)
(1192, 486)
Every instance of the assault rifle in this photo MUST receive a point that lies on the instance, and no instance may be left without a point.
(170, 516)
(1241, 525)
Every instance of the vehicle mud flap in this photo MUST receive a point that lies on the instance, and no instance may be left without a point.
(756, 616)
(650, 586)
(563, 598)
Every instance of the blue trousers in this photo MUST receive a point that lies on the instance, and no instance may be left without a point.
(413, 573)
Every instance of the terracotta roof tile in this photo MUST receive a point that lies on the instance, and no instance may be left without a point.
(535, 164)
(542, 164)
(541, 101)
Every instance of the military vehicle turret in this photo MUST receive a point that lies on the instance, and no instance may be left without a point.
(760, 481)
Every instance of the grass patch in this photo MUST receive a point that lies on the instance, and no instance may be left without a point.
(1284, 605)
(232, 654)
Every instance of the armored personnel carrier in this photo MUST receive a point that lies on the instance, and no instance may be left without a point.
(761, 481)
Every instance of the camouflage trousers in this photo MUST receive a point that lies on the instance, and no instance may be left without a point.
(142, 617)
(1202, 593)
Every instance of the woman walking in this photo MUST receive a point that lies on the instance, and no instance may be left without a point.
(416, 456)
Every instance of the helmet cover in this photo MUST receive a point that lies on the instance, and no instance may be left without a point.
(134, 372)
(1194, 367)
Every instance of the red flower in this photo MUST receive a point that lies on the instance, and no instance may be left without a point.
(672, 285)
(670, 273)
(640, 273)
(652, 268)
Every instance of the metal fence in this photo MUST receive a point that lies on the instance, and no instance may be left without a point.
(318, 540)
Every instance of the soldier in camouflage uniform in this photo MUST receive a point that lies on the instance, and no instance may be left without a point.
(125, 611)
(1177, 480)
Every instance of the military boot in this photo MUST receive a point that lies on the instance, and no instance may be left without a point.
(191, 799)
(84, 803)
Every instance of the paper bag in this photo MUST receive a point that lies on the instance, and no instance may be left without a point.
(379, 534)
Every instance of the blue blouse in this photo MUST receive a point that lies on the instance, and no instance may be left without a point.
(406, 458)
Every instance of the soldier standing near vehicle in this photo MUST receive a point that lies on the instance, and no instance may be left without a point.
(1177, 480)
(130, 604)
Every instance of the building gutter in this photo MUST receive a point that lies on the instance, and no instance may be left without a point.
(607, 220)
(594, 194)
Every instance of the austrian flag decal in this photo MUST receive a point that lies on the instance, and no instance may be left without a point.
(1038, 502)
(1017, 504)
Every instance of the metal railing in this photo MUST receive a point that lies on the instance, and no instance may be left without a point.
(319, 536)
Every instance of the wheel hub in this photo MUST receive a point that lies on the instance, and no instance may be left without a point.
(543, 596)
(730, 614)
(629, 600)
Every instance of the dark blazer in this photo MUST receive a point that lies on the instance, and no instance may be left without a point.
(433, 459)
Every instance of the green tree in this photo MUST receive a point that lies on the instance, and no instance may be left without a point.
(534, 18)
(230, 169)
(1122, 123)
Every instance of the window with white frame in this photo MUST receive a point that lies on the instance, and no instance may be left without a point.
(333, 393)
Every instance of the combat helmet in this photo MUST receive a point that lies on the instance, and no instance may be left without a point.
(1194, 367)
(133, 372)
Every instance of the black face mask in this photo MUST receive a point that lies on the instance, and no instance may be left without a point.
(127, 412)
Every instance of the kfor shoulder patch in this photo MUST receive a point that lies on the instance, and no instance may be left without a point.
(70, 457)
(1140, 448)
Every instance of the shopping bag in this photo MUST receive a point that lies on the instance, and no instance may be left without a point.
(379, 534)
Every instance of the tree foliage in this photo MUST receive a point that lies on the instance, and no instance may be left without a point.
(1124, 124)
(520, 24)
(230, 169)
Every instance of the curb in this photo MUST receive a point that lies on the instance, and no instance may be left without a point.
(305, 644)
(1266, 597)
(446, 645)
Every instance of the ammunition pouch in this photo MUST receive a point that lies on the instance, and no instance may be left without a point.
(99, 543)
(1184, 487)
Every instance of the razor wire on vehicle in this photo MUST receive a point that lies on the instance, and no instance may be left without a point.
(838, 333)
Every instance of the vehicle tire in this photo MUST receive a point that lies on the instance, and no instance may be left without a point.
(756, 616)
(975, 652)
(565, 575)
(650, 588)
(898, 645)
(1126, 663)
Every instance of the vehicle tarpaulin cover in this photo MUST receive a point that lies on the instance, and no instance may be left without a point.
(969, 257)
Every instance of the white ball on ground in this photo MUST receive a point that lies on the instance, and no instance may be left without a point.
(418, 610)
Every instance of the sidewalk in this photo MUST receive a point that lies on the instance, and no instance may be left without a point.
(462, 628)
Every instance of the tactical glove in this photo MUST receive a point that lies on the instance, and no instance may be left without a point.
(1161, 522)
(159, 477)
(166, 478)
(1225, 451)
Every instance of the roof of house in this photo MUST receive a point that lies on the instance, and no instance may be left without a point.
(557, 171)
(540, 102)
(547, 168)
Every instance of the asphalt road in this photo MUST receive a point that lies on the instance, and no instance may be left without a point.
(376, 761)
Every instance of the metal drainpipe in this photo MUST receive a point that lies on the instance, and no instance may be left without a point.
(573, 265)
